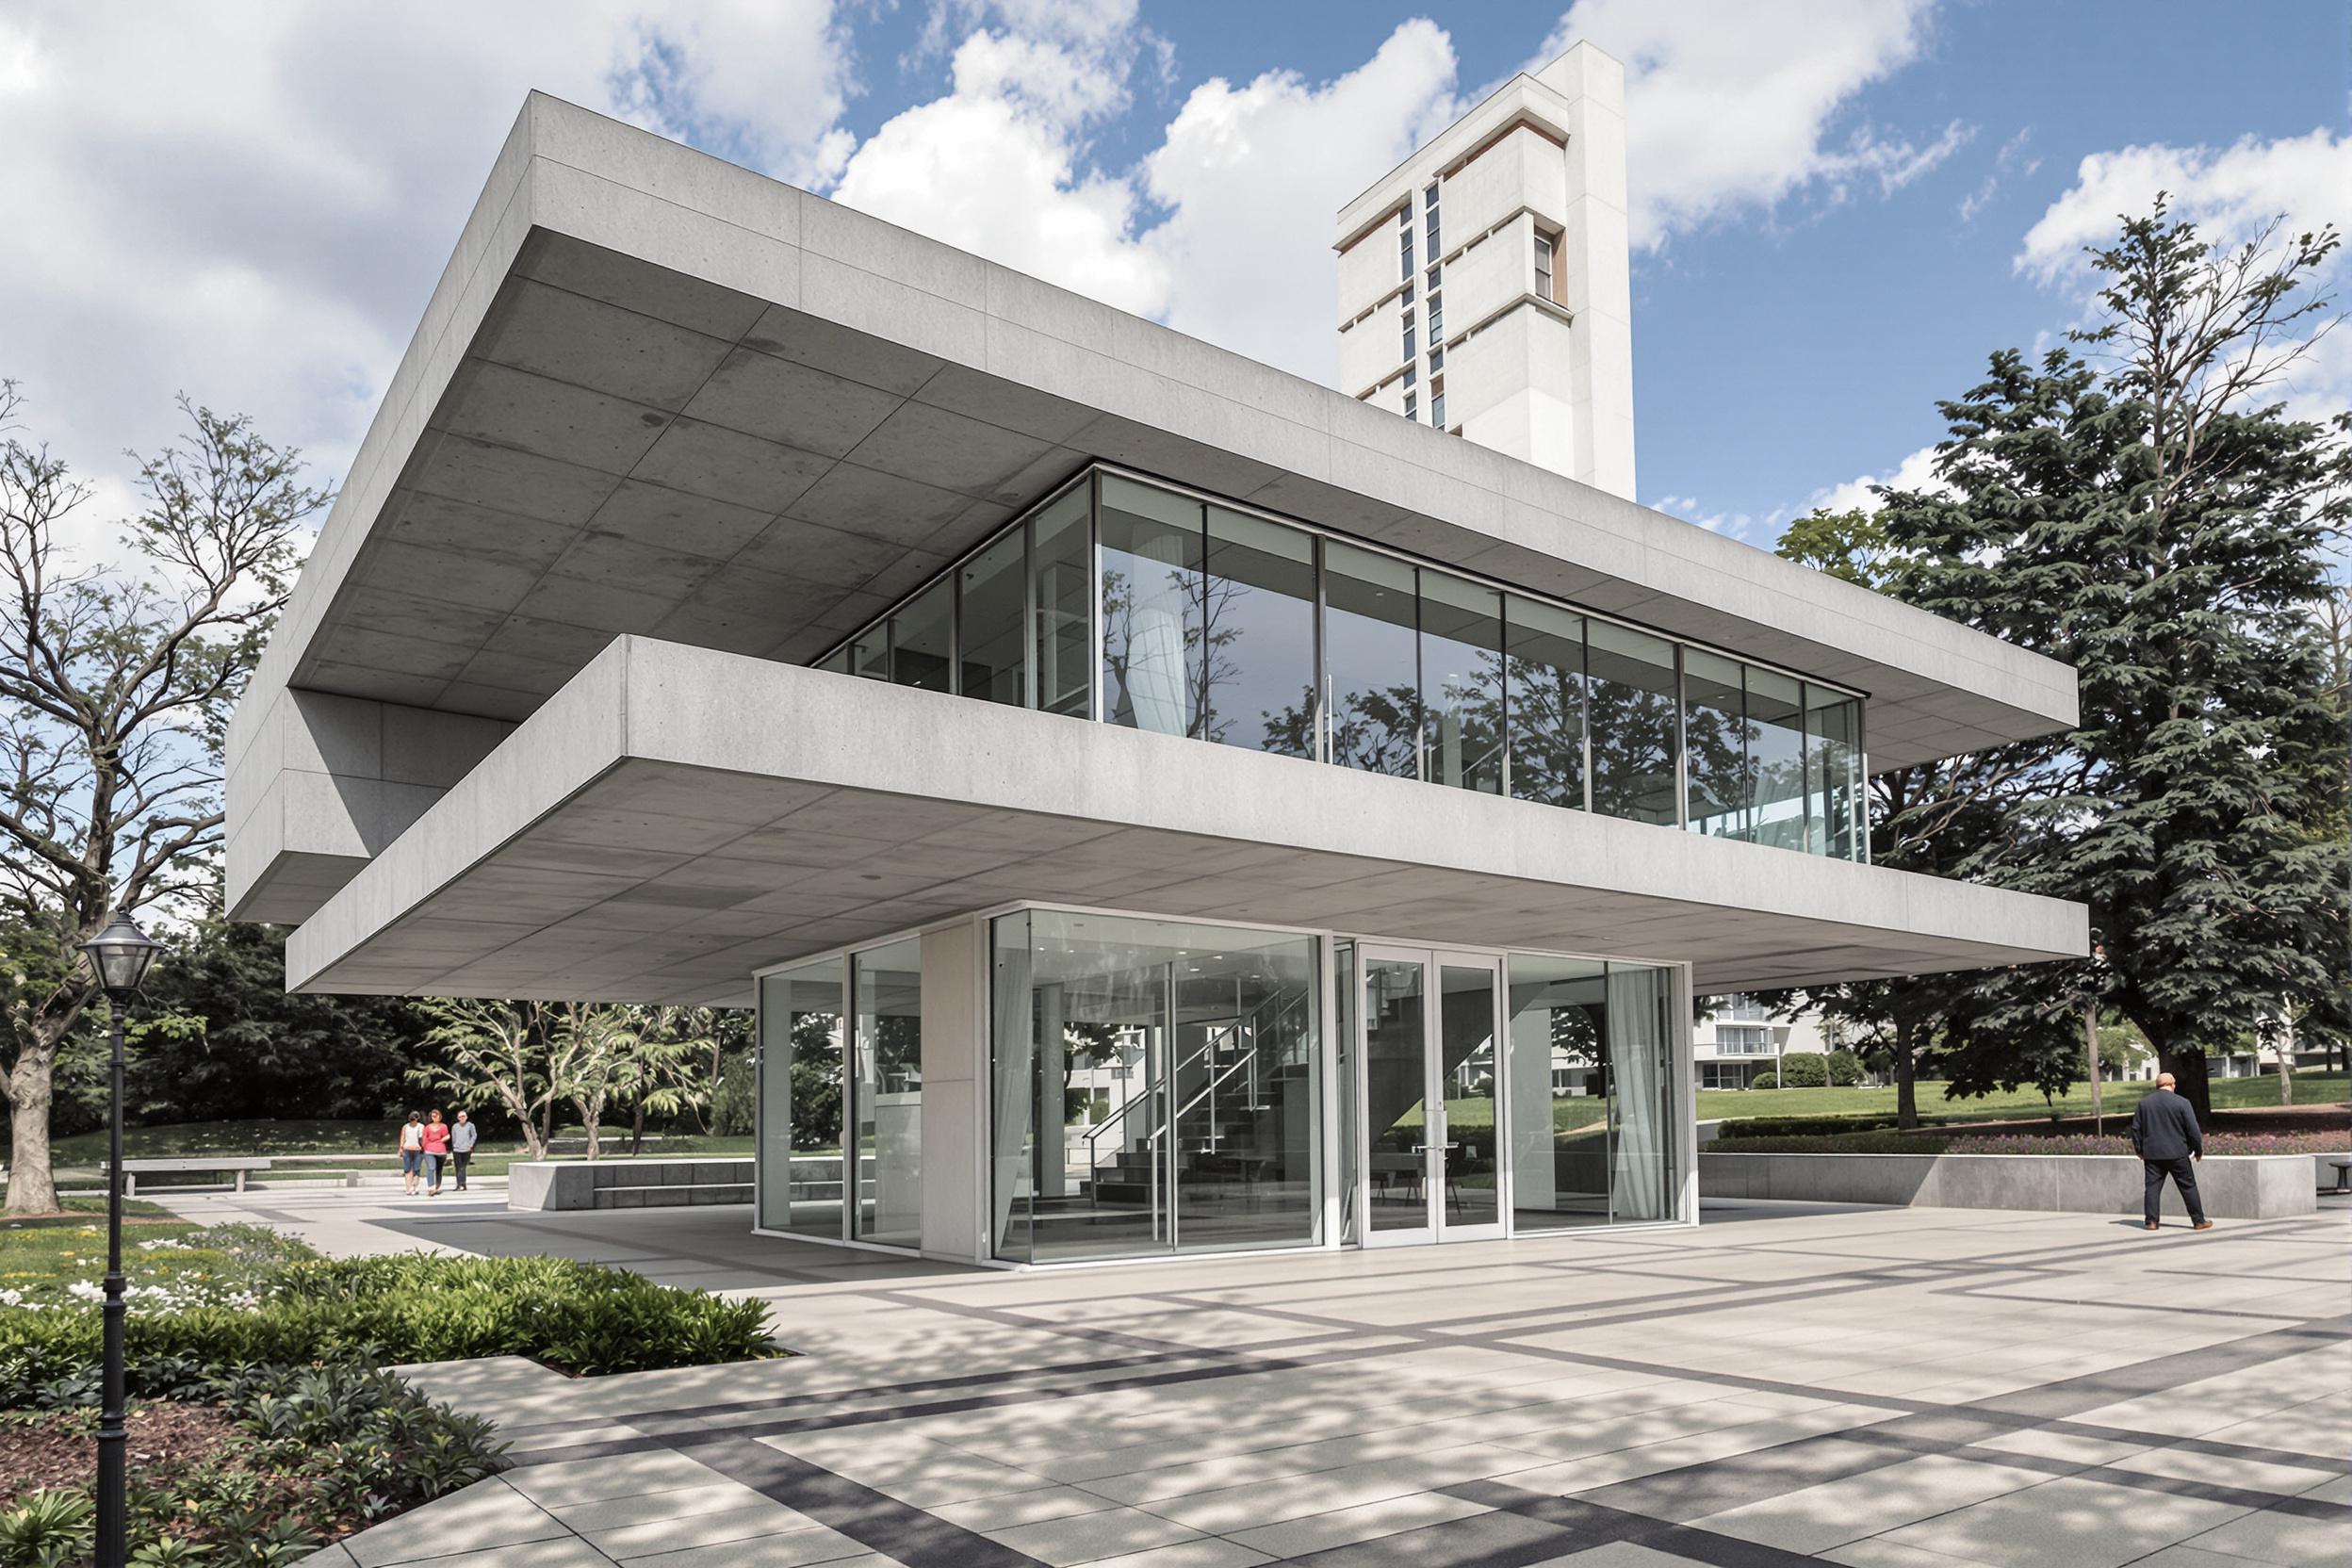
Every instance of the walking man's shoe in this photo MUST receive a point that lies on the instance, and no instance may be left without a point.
(2202, 1225)
(2151, 1225)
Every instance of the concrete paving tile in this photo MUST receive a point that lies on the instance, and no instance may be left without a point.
(1814, 1518)
(1227, 1509)
(2256, 1475)
(1365, 1522)
(1208, 1552)
(2269, 1536)
(638, 1538)
(327, 1557)
(489, 1514)
(2062, 1445)
(568, 1552)
(796, 1550)
(1092, 1537)
(2068, 1523)
(1884, 1554)
(718, 1495)
(2192, 1557)
(589, 1480)
(1008, 1509)
(1618, 1554)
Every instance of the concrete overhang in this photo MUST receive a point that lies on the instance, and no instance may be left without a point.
(676, 817)
(655, 394)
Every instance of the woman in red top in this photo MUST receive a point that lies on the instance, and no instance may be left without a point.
(436, 1150)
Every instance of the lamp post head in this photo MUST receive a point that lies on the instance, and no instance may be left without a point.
(119, 955)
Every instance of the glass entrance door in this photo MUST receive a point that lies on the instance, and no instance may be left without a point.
(1431, 1091)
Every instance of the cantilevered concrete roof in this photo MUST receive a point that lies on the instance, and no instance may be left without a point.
(656, 394)
(676, 817)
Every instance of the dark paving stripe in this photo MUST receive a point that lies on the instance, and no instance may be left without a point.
(2211, 1491)
(1593, 1523)
(1498, 1540)
(873, 1519)
(1711, 1486)
(2073, 1396)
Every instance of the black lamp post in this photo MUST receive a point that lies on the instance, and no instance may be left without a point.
(118, 957)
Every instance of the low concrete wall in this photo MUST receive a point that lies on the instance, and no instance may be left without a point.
(625, 1184)
(2237, 1186)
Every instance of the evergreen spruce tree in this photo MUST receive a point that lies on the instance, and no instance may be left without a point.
(2137, 505)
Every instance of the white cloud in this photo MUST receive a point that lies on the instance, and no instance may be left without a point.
(992, 167)
(1246, 180)
(252, 200)
(1730, 106)
(2227, 192)
(2231, 194)
(2011, 159)
(1254, 177)
(1731, 525)
(1859, 494)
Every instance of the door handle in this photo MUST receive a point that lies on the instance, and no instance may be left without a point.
(1424, 1148)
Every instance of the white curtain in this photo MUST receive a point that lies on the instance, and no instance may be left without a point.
(1156, 637)
(1637, 1055)
(1012, 1040)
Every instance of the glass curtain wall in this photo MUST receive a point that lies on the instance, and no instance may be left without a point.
(800, 1099)
(814, 1181)
(886, 1094)
(1154, 1087)
(1592, 1092)
(1199, 619)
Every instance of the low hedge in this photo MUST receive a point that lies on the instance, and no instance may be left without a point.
(580, 1317)
(1805, 1126)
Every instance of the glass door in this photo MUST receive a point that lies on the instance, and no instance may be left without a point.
(1431, 1096)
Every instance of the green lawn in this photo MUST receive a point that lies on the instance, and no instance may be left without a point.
(372, 1145)
(2311, 1088)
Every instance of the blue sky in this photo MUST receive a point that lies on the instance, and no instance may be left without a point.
(1842, 205)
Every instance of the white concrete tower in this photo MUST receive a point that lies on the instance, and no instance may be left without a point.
(1483, 283)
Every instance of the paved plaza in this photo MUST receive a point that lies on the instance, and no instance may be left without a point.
(1880, 1387)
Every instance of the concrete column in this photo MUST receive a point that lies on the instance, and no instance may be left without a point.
(955, 1045)
(1597, 284)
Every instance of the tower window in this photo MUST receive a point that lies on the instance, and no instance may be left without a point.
(1543, 265)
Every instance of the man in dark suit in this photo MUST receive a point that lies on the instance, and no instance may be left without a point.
(2165, 1135)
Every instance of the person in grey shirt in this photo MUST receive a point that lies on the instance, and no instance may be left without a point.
(462, 1136)
(2166, 1136)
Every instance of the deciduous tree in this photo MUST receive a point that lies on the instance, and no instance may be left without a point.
(116, 683)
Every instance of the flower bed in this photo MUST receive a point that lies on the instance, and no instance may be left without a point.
(262, 1425)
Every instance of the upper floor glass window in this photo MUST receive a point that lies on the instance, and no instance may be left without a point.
(1543, 267)
(1158, 609)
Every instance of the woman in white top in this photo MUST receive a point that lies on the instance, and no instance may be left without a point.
(412, 1151)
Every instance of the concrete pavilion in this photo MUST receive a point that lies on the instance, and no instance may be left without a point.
(1179, 806)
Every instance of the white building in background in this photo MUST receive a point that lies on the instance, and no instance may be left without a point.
(1483, 283)
(1739, 1038)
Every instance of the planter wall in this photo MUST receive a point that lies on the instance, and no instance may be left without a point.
(641, 1183)
(2237, 1186)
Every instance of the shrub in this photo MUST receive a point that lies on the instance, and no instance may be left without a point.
(578, 1317)
(1845, 1069)
(1765, 1081)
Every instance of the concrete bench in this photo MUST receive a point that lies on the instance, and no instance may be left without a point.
(232, 1167)
(641, 1183)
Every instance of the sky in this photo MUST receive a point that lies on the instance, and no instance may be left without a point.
(1840, 208)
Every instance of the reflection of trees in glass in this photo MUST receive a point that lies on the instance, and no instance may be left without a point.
(1633, 752)
(1475, 706)
(1720, 747)
(816, 1080)
(1547, 732)
(1375, 731)
(1212, 656)
(1576, 1040)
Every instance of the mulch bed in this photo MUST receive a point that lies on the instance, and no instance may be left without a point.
(60, 1449)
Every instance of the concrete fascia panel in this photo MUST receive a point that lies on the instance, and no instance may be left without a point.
(1109, 386)
(919, 757)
